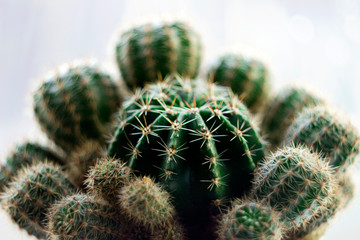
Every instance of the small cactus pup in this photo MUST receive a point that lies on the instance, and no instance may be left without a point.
(23, 155)
(76, 103)
(250, 220)
(328, 133)
(146, 203)
(32, 192)
(107, 177)
(297, 183)
(82, 158)
(81, 216)
(149, 50)
(246, 77)
(282, 110)
(198, 141)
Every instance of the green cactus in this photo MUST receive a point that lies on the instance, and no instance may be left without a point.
(146, 203)
(23, 155)
(199, 142)
(82, 217)
(82, 158)
(297, 183)
(250, 220)
(246, 77)
(107, 177)
(32, 192)
(75, 104)
(282, 110)
(327, 133)
(170, 231)
(148, 50)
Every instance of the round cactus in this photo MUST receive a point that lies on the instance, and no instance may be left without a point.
(326, 133)
(250, 220)
(76, 103)
(246, 77)
(296, 183)
(198, 142)
(82, 158)
(145, 203)
(32, 192)
(107, 177)
(25, 154)
(282, 111)
(83, 217)
(148, 50)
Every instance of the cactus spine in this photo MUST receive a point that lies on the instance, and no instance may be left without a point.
(83, 217)
(25, 154)
(283, 109)
(75, 104)
(297, 183)
(147, 50)
(32, 192)
(249, 220)
(246, 77)
(326, 133)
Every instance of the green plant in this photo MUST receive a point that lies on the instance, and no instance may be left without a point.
(82, 158)
(24, 155)
(146, 203)
(198, 142)
(32, 192)
(250, 220)
(82, 217)
(246, 77)
(282, 110)
(76, 103)
(327, 133)
(145, 51)
(297, 183)
(107, 177)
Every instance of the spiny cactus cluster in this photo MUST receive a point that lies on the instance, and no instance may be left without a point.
(181, 152)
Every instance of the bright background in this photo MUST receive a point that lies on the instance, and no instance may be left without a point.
(311, 42)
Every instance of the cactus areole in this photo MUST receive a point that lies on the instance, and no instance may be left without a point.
(198, 142)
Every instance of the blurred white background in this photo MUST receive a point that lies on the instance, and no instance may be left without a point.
(314, 42)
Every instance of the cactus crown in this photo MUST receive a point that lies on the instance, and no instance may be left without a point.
(32, 192)
(297, 183)
(81, 216)
(75, 104)
(250, 220)
(148, 50)
(326, 132)
(246, 77)
(201, 142)
(107, 177)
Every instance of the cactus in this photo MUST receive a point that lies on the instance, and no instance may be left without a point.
(76, 103)
(148, 50)
(32, 192)
(249, 219)
(82, 158)
(283, 109)
(81, 216)
(246, 77)
(25, 154)
(327, 133)
(107, 177)
(198, 142)
(145, 203)
(297, 183)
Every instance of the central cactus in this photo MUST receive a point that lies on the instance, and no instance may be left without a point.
(200, 143)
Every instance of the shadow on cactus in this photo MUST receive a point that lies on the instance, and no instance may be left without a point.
(198, 142)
